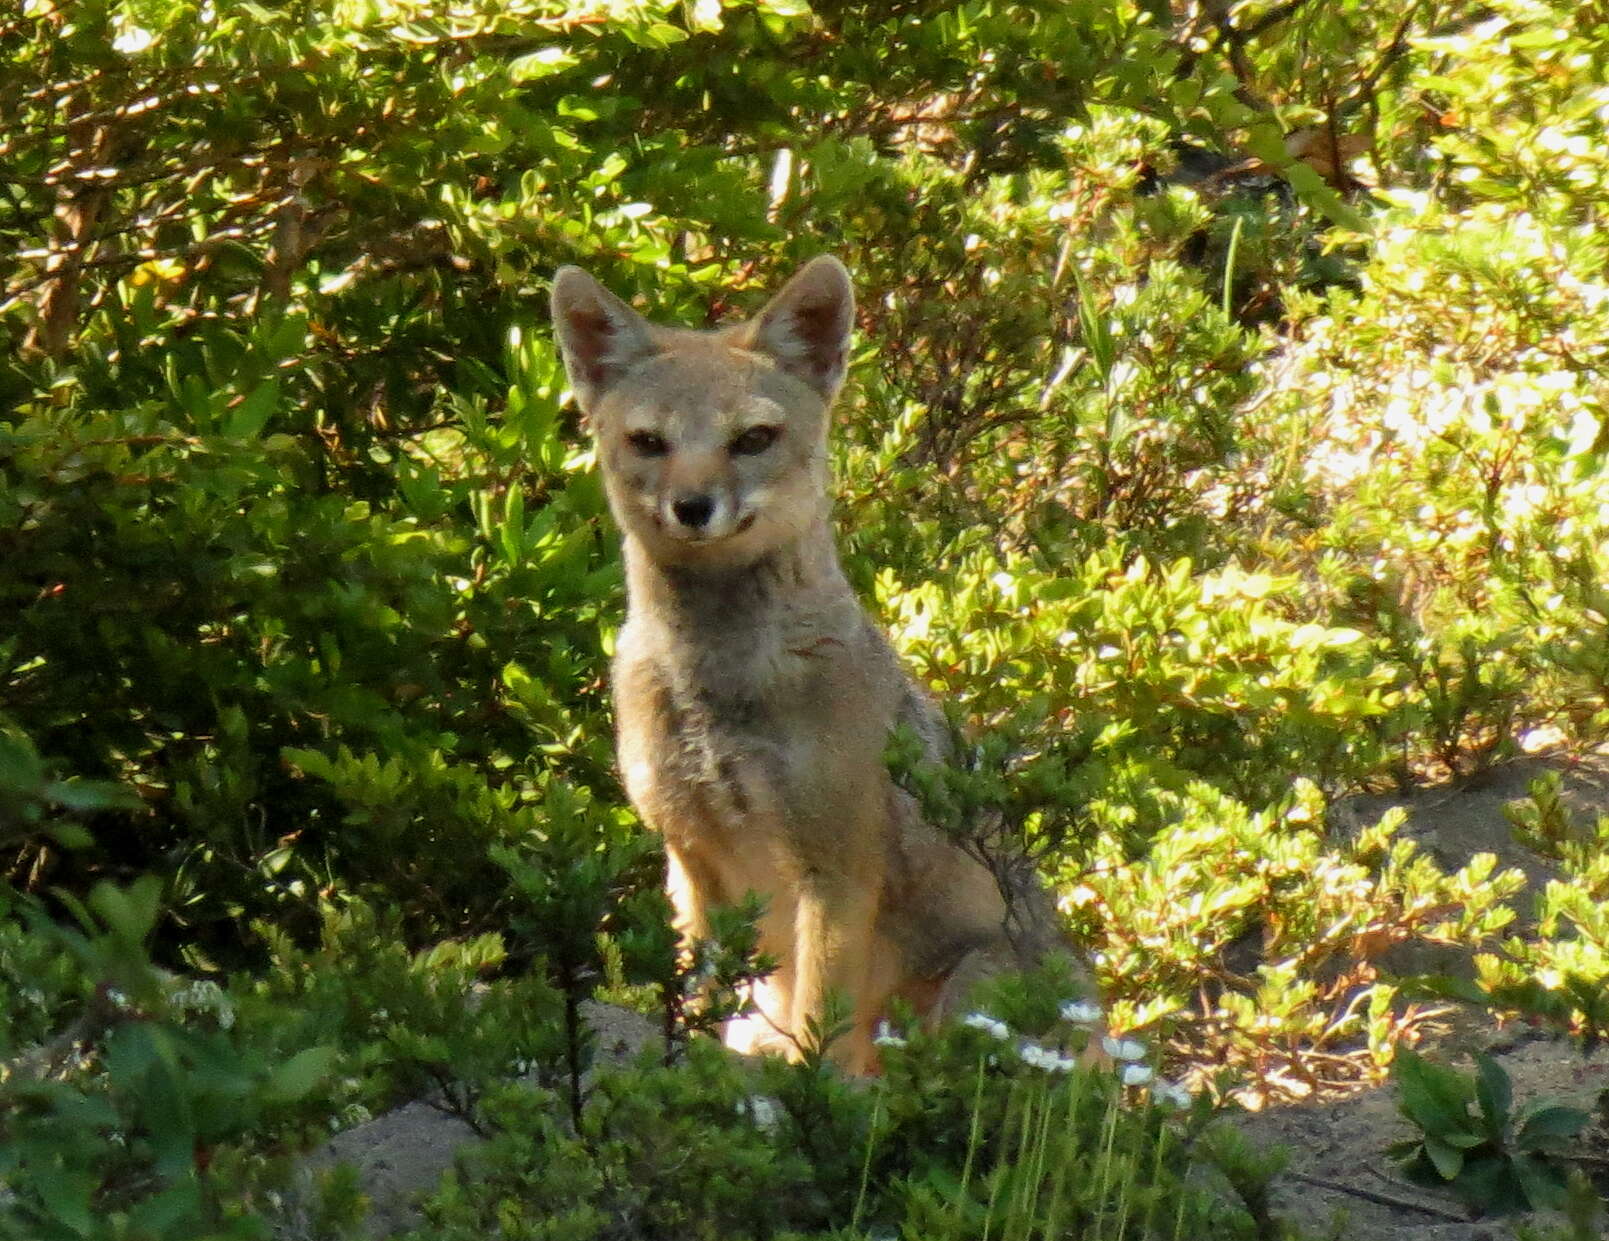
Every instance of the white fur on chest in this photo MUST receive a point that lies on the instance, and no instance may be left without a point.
(735, 734)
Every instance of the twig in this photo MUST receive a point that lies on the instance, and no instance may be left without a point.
(1385, 1200)
(1271, 19)
(1393, 52)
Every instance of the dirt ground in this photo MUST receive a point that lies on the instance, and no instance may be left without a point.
(1338, 1177)
(1338, 1171)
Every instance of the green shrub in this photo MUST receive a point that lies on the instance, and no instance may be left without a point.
(976, 1130)
(1473, 1141)
(1228, 435)
(1559, 972)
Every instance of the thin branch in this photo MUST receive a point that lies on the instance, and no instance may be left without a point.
(132, 258)
(1394, 51)
(1272, 18)
(1385, 1200)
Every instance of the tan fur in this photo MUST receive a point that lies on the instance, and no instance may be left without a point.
(754, 696)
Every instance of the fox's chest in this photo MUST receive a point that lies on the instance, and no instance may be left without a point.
(737, 739)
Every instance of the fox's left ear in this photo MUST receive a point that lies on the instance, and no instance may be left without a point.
(805, 327)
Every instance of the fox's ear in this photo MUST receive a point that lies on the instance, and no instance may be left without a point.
(805, 327)
(600, 337)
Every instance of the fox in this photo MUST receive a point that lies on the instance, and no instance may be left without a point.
(754, 696)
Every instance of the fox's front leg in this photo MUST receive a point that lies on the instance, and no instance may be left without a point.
(689, 898)
(833, 940)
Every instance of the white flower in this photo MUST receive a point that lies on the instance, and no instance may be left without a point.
(886, 1037)
(1037, 1057)
(205, 996)
(1123, 1048)
(1137, 1074)
(989, 1025)
(1081, 1012)
(764, 1111)
(1171, 1093)
(349, 1117)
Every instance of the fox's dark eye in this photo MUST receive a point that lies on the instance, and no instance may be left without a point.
(647, 444)
(753, 441)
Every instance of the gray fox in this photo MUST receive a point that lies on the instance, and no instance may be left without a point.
(754, 696)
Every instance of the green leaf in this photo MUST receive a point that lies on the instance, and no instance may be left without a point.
(176, 1211)
(1448, 1159)
(1542, 1182)
(70, 835)
(1433, 1097)
(131, 912)
(1488, 1184)
(1550, 1126)
(1494, 1093)
(295, 1078)
(247, 419)
(86, 795)
(66, 1195)
(168, 1110)
(541, 63)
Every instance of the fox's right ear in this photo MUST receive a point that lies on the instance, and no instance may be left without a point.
(600, 337)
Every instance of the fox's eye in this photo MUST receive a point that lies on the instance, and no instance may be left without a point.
(753, 441)
(648, 444)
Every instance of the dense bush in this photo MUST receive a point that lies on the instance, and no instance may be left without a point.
(1228, 434)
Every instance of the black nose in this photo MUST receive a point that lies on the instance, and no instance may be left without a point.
(693, 511)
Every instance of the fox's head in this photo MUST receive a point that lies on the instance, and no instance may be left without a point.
(713, 445)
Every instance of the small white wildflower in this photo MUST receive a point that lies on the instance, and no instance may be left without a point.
(1171, 1093)
(989, 1025)
(1137, 1074)
(206, 996)
(1046, 1059)
(1081, 1012)
(1123, 1048)
(763, 1111)
(886, 1037)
